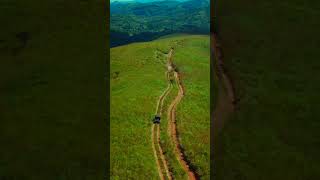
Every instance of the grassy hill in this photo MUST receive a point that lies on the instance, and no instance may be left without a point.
(52, 90)
(271, 50)
(137, 80)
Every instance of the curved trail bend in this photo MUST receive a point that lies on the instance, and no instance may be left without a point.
(156, 139)
(155, 152)
(172, 128)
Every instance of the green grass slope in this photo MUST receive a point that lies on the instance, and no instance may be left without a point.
(137, 80)
(271, 49)
(193, 113)
(52, 90)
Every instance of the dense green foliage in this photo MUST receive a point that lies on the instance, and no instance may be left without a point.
(52, 90)
(138, 79)
(132, 21)
(271, 49)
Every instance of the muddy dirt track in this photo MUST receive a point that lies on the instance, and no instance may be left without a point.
(172, 128)
(156, 139)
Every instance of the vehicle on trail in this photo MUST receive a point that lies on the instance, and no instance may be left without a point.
(156, 119)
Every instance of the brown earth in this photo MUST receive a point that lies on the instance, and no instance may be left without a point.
(155, 152)
(173, 130)
(172, 127)
(156, 139)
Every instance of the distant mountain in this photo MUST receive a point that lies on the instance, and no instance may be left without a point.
(143, 1)
(164, 8)
(136, 21)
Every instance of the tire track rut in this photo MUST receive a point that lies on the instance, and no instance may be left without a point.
(172, 127)
(173, 131)
(156, 139)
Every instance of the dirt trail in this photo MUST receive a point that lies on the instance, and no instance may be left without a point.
(155, 152)
(173, 130)
(161, 98)
(163, 159)
(156, 139)
(226, 97)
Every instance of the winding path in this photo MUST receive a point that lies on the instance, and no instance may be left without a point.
(172, 127)
(155, 152)
(156, 139)
(173, 130)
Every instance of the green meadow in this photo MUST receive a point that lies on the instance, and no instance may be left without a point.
(52, 90)
(271, 49)
(137, 80)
